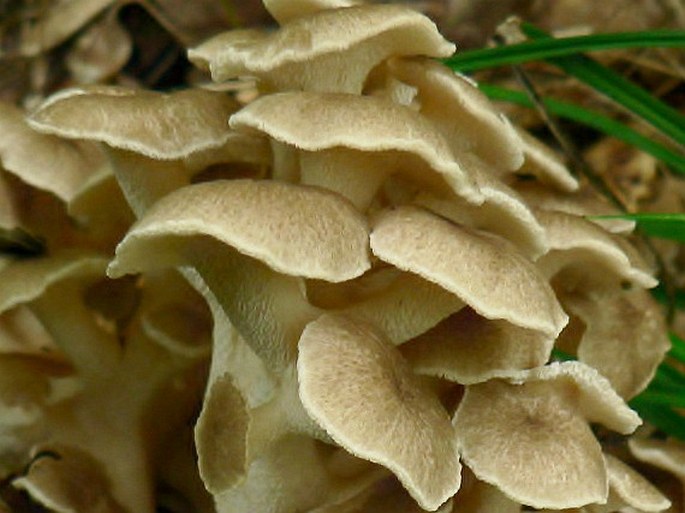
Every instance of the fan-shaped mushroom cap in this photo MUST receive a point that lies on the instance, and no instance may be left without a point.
(583, 202)
(44, 161)
(314, 122)
(541, 162)
(54, 286)
(402, 305)
(625, 337)
(356, 386)
(463, 114)
(221, 435)
(628, 488)
(582, 250)
(330, 50)
(530, 437)
(502, 212)
(24, 281)
(61, 21)
(295, 230)
(159, 126)
(668, 455)
(284, 11)
(69, 480)
(293, 477)
(486, 272)
(468, 349)
(29, 383)
(475, 496)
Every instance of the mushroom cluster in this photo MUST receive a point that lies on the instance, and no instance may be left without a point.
(342, 296)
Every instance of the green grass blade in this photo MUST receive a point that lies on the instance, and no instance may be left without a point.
(661, 296)
(664, 226)
(678, 348)
(662, 417)
(547, 48)
(600, 123)
(637, 100)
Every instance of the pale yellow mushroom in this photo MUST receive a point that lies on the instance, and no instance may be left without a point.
(329, 50)
(468, 349)
(357, 387)
(485, 271)
(530, 436)
(351, 144)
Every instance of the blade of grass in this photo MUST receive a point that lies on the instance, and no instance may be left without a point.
(678, 348)
(660, 295)
(662, 417)
(664, 226)
(547, 48)
(637, 100)
(600, 123)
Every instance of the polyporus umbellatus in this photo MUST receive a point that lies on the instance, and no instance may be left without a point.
(385, 290)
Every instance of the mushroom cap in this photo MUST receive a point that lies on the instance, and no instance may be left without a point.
(668, 455)
(23, 281)
(60, 22)
(221, 435)
(356, 386)
(296, 230)
(322, 121)
(631, 489)
(407, 307)
(72, 481)
(157, 125)
(45, 161)
(469, 349)
(503, 212)
(580, 248)
(292, 476)
(530, 436)
(464, 115)
(284, 11)
(625, 337)
(486, 272)
(329, 50)
(542, 162)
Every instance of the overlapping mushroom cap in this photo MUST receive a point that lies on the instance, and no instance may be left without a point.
(385, 293)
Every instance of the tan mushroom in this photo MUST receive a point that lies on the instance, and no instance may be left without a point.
(66, 479)
(543, 163)
(45, 161)
(627, 488)
(156, 142)
(469, 349)
(284, 11)
(582, 252)
(356, 386)
(530, 436)
(350, 144)
(502, 212)
(625, 338)
(485, 271)
(464, 115)
(340, 47)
